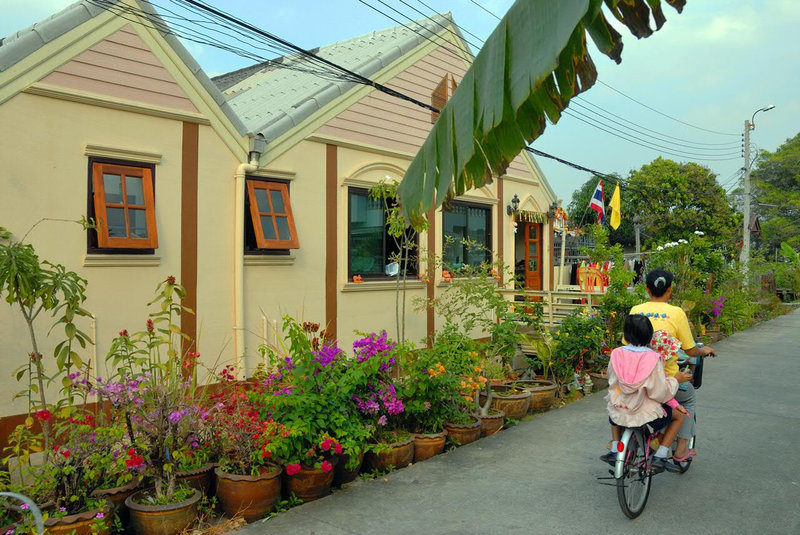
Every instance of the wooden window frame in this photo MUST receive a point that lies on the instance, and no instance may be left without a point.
(372, 276)
(98, 207)
(270, 185)
(489, 226)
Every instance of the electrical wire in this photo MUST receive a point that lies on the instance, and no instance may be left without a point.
(485, 9)
(664, 114)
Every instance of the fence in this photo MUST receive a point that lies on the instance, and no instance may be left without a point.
(555, 304)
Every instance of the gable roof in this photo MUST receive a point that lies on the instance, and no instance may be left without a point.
(272, 99)
(25, 42)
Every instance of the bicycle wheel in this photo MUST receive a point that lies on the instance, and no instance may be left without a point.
(633, 487)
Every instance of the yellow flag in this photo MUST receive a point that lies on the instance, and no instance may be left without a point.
(616, 213)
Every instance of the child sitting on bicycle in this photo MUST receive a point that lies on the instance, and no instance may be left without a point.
(639, 392)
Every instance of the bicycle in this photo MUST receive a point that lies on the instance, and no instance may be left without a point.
(633, 470)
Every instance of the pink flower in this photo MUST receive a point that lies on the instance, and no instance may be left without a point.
(337, 448)
(326, 444)
(99, 515)
(326, 466)
(292, 469)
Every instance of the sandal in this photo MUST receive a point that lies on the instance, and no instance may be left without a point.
(689, 455)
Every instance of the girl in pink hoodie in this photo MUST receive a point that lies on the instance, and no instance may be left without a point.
(639, 391)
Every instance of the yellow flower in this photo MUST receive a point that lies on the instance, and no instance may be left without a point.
(558, 333)
(463, 384)
(468, 398)
(512, 308)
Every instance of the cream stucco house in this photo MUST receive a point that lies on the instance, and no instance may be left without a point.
(249, 188)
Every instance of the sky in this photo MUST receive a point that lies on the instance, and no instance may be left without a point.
(712, 67)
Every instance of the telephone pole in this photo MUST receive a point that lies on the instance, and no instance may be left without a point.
(637, 227)
(744, 258)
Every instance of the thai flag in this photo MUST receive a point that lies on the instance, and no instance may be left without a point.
(598, 203)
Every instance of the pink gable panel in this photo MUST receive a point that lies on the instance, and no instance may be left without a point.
(122, 66)
(386, 121)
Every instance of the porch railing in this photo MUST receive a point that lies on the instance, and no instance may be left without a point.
(555, 304)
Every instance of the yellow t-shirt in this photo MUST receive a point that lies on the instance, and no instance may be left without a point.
(666, 317)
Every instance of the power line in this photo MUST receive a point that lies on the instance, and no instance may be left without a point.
(723, 146)
(484, 8)
(664, 114)
(672, 152)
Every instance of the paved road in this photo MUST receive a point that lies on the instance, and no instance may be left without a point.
(540, 477)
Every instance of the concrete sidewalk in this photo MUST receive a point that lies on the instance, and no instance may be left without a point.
(540, 477)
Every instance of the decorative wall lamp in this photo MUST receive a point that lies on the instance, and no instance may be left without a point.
(513, 208)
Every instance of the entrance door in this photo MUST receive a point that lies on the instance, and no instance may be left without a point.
(533, 256)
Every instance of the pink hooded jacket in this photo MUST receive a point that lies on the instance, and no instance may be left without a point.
(637, 386)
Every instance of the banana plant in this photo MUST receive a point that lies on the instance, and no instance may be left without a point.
(532, 64)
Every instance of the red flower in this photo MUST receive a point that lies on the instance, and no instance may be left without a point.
(326, 444)
(171, 280)
(326, 466)
(123, 332)
(44, 415)
(337, 449)
(150, 326)
(292, 469)
(65, 453)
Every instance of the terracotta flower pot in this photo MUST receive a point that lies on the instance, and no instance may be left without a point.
(116, 496)
(543, 393)
(399, 455)
(309, 484)
(464, 433)
(247, 496)
(492, 423)
(78, 524)
(514, 405)
(167, 519)
(342, 474)
(199, 479)
(428, 445)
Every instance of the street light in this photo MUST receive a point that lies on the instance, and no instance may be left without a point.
(744, 258)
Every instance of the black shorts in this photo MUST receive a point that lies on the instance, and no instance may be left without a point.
(659, 423)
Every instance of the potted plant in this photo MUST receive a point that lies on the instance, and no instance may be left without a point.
(429, 391)
(543, 391)
(578, 347)
(307, 395)
(154, 393)
(248, 476)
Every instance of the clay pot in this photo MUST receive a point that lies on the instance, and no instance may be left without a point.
(464, 434)
(167, 519)
(199, 479)
(543, 393)
(428, 445)
(248, 497)
(77, 524)
(493, 423)
(599, 381)
(309, 484)
(342, 474)
(399, 455)
(514, 405)
(116, 496)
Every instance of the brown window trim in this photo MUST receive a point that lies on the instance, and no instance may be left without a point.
(255, 214)
(93, 239)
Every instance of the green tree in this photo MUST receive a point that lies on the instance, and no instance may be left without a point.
(674, 199)
(579, 204)
(776, 189)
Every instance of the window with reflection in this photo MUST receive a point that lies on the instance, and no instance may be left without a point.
(371, 250)
(123, 207)
(466, 234)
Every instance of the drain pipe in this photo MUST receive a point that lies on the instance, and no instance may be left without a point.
(258, 144)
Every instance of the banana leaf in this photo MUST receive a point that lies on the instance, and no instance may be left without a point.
(530, 67)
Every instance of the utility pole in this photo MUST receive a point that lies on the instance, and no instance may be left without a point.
(637, 227)
(744, 258)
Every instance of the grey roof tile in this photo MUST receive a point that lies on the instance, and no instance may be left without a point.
(271, 99)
